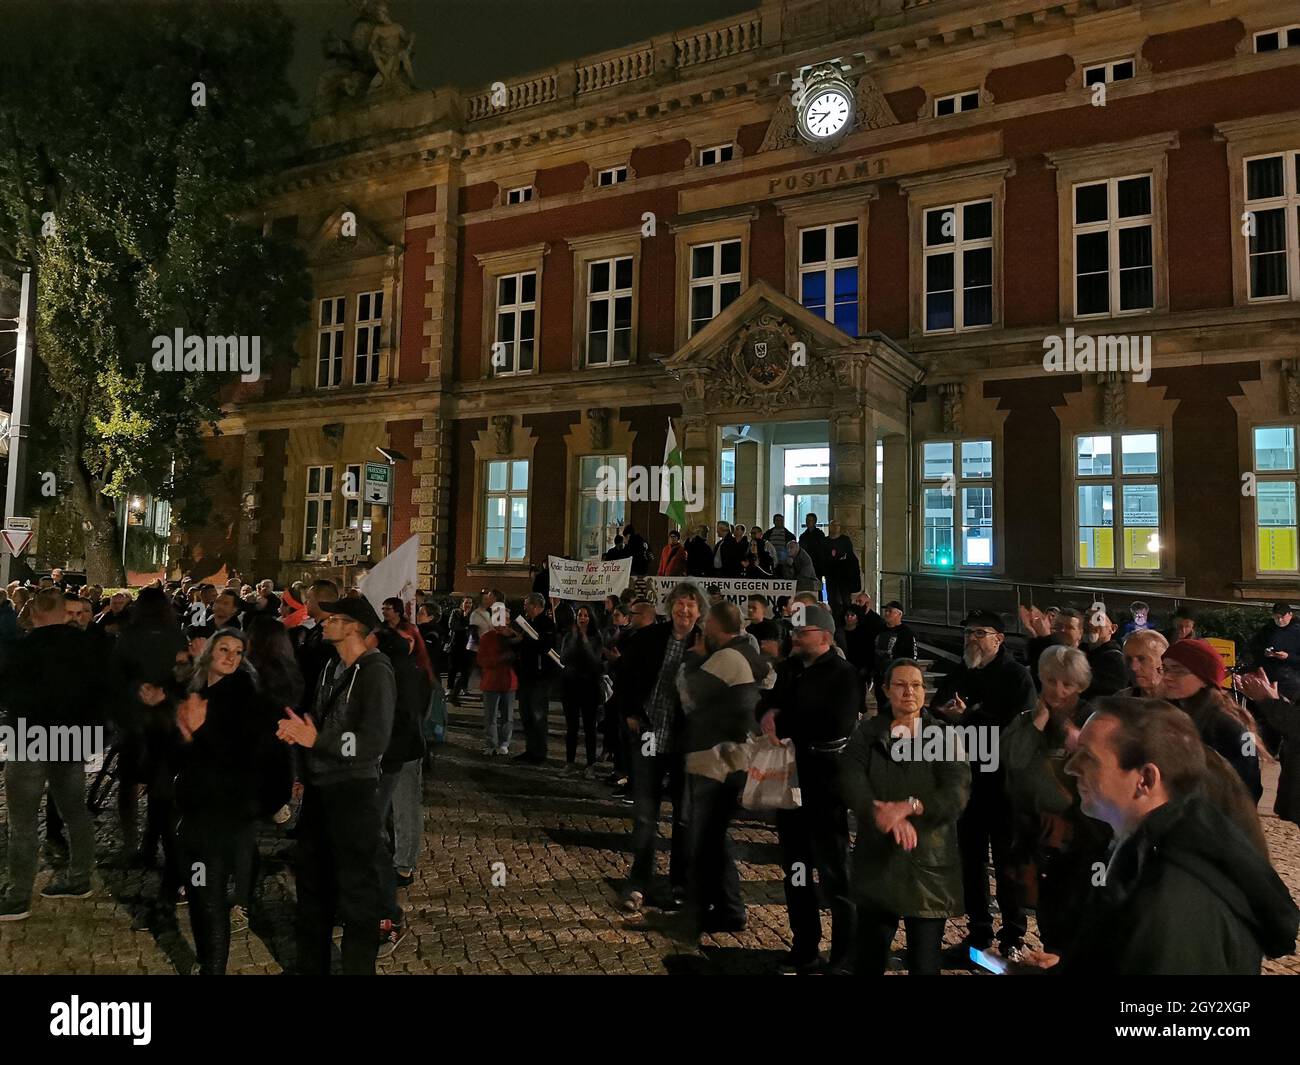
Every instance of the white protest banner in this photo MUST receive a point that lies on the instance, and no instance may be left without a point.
(735, 590)
(395, 577)
(588, 580)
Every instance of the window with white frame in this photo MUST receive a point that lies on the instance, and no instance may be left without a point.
(318, 512)
(369, 327)
(611, 175)
(1273, 225)
(718, 153)
(1105, 73)
(828, 273)
(355, 514)
(1275, 499)
(1114, 259)
(955, 103)
(957, 503)
(1274, 40)
(609, 311)
(329, 342)
(959, 266)
(514, 345)
(715, 280)
(505, 510)
(727, 485)
(600, 518)
(522, 194)
(1117, 502)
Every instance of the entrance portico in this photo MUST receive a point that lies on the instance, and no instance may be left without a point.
(766, 361)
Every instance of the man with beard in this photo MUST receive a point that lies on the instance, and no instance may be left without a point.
(815, 702)
(987, 691)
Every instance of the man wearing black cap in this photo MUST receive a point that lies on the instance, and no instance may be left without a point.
(1277, 647)
(815, 702)
(343, 741)
(987, 690)
(895, 640)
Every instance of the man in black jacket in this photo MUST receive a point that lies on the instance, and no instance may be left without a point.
(894, 640)
(48, 690)
(813, 540)
(534, 669)
(344, 740)
(699, 554)
(726, 553)
(987, 690)
(637, 550)
(815, 702)
(1105, 657)
(1277, 645)
(314, 652)
(1185, 892)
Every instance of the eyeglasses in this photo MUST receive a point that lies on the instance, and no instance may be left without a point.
(980, 634)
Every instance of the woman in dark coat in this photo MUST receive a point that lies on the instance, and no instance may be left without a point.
(582, 652)
(1055, 845)
(1279, 711)
(905, 863)
(226, 731)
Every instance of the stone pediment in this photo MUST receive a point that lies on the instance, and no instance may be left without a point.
(764, 352)
(344, 235)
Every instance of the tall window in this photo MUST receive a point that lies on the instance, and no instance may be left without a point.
(318, 513)
(370, 319)
(354, 507)
(1273, 233)
(715, 280)
(727, 486)
(609, 311)
(828, 273)
(1275, 499)
(959, 266)
(513, 350)
(1114, 262)
(1117, 493)
(329, 342)
(505, 511)
(599, 520)
(805, 488)
(957, 503)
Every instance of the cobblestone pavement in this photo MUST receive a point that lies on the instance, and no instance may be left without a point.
(562, 845)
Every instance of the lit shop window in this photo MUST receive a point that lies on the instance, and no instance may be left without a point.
(599, 519)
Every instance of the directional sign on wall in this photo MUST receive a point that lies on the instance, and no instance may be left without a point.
(17, 535)
(379, 483)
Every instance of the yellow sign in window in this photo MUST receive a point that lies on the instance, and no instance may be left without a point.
(1100, 553)
(1138, 553)
(1277, 549)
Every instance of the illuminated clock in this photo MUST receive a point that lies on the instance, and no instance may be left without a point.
(826, 107)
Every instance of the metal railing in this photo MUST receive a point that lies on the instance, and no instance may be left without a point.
(946, 598)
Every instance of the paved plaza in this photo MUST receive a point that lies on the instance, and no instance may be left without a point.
(521, 873)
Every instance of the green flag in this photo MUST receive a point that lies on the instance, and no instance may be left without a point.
(672, 500)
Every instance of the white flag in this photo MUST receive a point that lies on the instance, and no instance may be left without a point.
(395, 577)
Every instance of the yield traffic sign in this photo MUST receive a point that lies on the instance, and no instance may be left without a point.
(16, 540)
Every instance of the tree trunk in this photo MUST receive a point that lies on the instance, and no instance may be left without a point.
(103, 548)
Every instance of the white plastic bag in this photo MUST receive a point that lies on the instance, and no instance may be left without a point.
(772, 782)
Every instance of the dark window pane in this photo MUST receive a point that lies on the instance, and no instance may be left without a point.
(945, 107)
(379, 305)
(1136, 289)
(846, 241)
(1270, 231)
(1293, 37)
(940, 226)
(1268, 276)
(1091, 253)
(596, 348)
(813, 244)
(1134, 197)
(1135, 246)
(846, 284)
(528, 285)
(977, 220)
(623, 273)
(622, 312)
(525, 355)
(702, 261)
(1090, 203)
(363, 307)
(1095, 76)
(977, 267)
(701, 304)
(846, 317)
(599, 277)
(1093, 294)
(813, 291)
(977, 308)
(1267, 42)
(506, 290)
(598, 318)
(1265, 178)
(729, 293)
(527, 320)
(506, 327)
(1122, 71)
(938, 311)
(970, 101)
(622, 344)
(938, 272)
(731, 257)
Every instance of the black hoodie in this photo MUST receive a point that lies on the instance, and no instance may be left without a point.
(1186, 894)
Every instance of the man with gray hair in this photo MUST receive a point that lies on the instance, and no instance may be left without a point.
(648, 666)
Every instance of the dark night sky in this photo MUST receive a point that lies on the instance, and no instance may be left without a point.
(476, 42)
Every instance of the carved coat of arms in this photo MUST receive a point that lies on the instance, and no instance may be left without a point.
(760, 353)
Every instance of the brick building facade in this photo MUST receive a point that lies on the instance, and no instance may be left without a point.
(855, 326)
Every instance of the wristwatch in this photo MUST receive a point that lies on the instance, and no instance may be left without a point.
(914, 803)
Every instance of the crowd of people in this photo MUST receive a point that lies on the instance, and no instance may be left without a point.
(1120, 804)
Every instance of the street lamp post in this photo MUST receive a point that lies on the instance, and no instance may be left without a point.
(135, 505)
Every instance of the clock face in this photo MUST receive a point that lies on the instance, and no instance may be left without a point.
(826, 113)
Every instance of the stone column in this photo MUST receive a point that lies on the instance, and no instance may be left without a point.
(853, 482)
(748, 506)
(896, 528)
(432, 495)
(695, 435)
(250, 479)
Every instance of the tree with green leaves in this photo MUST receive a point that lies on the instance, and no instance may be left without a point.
(133, 137)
